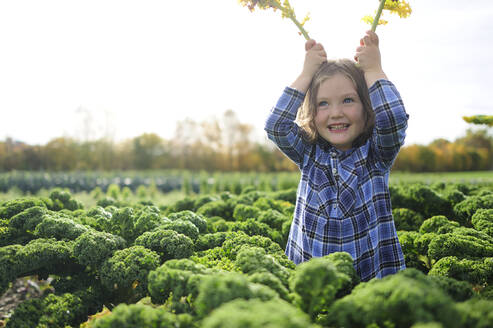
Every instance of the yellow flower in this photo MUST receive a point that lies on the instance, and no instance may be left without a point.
(306, 19)
(370, 19)
(286, 11)
(262, 4)
(400, 8)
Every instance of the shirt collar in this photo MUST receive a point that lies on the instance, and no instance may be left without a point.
(328, 147)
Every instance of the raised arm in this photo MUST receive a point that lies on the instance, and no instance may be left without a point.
(390, 121)
(369, 58)
(280, 125)
(390, 115)
(282, 129)
(314, 57)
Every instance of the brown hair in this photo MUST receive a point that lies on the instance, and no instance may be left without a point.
(347, 67)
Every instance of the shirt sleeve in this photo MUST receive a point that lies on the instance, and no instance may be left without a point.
(390, 121)
(282, 129)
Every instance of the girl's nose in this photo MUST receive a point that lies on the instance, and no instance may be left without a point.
(336, 111)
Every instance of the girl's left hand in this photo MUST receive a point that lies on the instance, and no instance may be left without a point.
(368, 53)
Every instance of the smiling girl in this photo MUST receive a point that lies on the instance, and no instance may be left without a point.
(342, 123)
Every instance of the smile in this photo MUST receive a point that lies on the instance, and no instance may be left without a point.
(338, 127)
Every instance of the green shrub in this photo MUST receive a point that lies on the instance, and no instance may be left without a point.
(463, 242)
(186, 228)
(139, 315)
(438, 224)
(407, 239)
(315, 284)
(16, 206)
(243, 212)
(466, 209)
(168, 244)
(94, 247)
(398, 300)
(211, 240)
(476, 313)
(198, 220)
(475, 271)
(406, 219)
(219, 208)
(179, 280)
(64, 200)
(124, 274)
(254, 259)
(483, 220)
(255, 313)
(60, 228)
(268, 279)
(217, 289)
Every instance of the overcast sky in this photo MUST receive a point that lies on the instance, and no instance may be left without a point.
(137, 66)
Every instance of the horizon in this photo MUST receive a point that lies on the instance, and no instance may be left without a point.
(266, 141)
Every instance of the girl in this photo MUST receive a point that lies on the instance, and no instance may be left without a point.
(345, 139)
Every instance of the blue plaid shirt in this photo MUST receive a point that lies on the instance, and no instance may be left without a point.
(343, 199)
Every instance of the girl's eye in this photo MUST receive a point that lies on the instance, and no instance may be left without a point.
(322, 104)
(348, 100)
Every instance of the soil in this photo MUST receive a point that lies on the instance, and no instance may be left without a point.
(22, 289)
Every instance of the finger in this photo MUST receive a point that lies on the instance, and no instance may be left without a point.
(373, 37)
(361, 55)
(309, 44)
(319, 56)
(361, 42)
(359, 49)
(367, 40)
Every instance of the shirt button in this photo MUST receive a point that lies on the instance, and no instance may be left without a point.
(334, 170)
(333, 154)
(334, 206)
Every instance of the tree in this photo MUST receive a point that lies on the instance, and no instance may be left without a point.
(61, 154)
(479, 119)
(147, 150)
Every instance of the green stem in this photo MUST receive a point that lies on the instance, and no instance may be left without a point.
(302, 30)
(295, 21)
(377, 16)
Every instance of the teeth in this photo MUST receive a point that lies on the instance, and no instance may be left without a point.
(338, 126)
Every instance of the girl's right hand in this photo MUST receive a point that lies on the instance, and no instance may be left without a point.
(314, 57)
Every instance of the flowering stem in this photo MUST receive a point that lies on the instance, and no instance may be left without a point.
(293, 18)
(302, 30)
(377, 16)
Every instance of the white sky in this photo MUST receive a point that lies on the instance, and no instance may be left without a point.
(142, 65)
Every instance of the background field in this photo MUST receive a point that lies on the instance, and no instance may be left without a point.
(167, 186)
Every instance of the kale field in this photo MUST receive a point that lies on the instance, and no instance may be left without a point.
(210, 254)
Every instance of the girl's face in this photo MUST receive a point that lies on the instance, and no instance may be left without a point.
(340, 118)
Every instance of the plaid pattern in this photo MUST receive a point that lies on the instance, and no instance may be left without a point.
(343, 199)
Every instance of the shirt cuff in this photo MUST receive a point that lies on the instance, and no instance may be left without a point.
(294, 92)
(379, 83)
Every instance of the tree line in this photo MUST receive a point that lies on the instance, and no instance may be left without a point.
(223, 144)
(472, 152)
